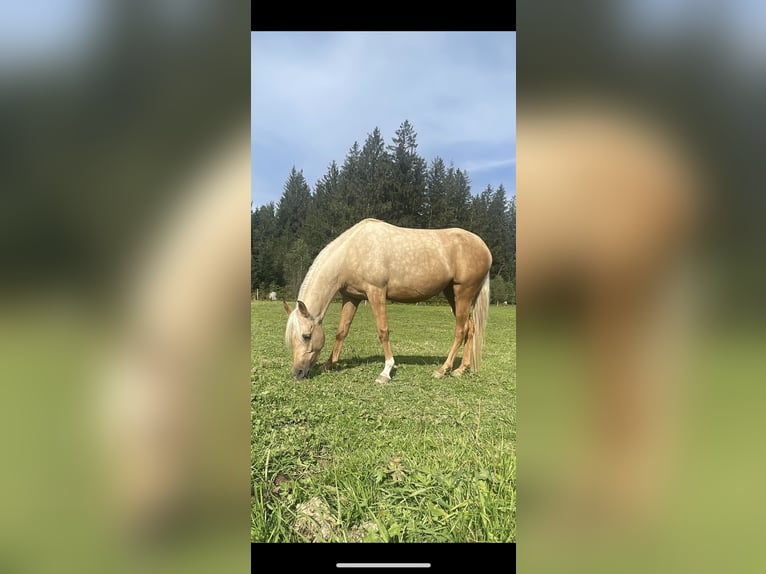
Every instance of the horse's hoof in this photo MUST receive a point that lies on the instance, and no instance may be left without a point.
(438, 374)
(383, 379)
(458, 372)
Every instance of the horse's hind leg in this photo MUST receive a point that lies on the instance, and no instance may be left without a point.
(466, 361)
(346, 317)
(461, 306)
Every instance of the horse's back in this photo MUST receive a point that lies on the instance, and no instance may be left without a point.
(413, 264)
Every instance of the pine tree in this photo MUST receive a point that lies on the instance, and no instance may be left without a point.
(296, 263)
(439, 212)
(374, 172)
(511, 217)
(407, 178)
(263, 243)
(350, 182)
(458, 187)
(498, 232)
(330, 214)
(294, 205)
(478, 220)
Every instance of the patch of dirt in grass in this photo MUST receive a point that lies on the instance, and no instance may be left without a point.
(317, 523)
(314, 521)
(324, 458)
(358, 532)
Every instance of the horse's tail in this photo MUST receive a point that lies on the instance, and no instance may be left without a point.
(480, 313)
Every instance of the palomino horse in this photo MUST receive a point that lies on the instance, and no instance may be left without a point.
(377, 261)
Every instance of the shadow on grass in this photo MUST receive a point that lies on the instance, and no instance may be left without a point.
(400, 360)
(377, 360)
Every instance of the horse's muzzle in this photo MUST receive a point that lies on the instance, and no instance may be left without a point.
(301, 372)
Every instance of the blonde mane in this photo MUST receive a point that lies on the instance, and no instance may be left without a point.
(318, 262)
(323, 255)
(292, 325)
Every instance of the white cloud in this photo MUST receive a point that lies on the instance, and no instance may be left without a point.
(483, 165)
(313, 95)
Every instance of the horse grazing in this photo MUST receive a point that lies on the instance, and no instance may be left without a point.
(376, 261)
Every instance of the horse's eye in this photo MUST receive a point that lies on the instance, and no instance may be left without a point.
(307, 336)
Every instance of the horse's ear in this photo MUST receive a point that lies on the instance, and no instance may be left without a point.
(303, 311)
(287, 307)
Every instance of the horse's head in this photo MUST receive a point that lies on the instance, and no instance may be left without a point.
(306, 336)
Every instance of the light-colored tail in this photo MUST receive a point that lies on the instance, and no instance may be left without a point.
(480, 313)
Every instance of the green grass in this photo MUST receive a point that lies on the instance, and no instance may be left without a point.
(339, 457)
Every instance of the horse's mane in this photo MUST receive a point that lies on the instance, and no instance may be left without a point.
(292, 325)
(292, 319)
(323, 256)
(319, 261)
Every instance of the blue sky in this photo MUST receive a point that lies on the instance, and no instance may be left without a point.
(45, 31)
(314, 94)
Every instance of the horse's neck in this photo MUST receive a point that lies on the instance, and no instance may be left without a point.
(321, 284)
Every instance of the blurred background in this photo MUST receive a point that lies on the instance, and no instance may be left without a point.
(125, 170)
(123, 317)
(640, 281)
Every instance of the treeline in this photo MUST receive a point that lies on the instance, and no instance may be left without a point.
(389, 182)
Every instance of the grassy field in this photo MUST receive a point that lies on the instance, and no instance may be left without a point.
(339, 457)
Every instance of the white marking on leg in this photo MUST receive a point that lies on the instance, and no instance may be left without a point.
(386, 372)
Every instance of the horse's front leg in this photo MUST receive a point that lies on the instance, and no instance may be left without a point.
(377, 299)
(346, 317)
